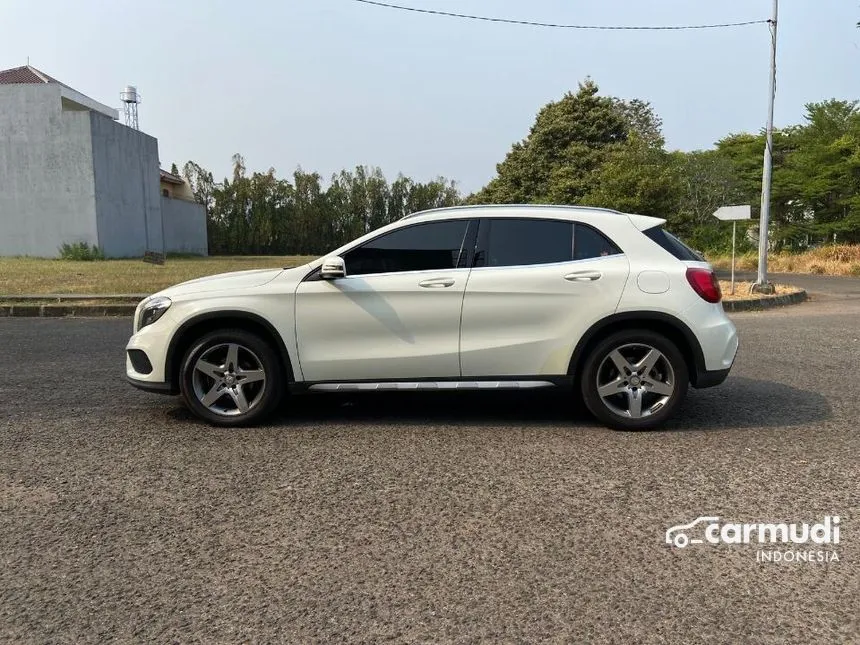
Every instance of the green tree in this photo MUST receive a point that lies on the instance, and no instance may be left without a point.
(560, 160)
(706, 181)
(567, 142)
(822, 173)
(635, 177)
(641, 121)
(745, 154)
(814, 196)
(202, 183)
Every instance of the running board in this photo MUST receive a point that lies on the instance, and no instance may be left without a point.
(410, 386)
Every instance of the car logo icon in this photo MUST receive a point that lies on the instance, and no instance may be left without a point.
(677, 536)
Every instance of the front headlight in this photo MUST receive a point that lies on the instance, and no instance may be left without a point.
(153, 310)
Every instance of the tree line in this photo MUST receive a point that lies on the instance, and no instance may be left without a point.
(258, 213)
(582, 149)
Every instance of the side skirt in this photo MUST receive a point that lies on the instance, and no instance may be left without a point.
(430, 385)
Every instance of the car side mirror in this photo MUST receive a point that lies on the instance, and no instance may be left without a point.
(333, 267)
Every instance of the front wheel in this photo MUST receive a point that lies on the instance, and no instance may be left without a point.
(634, 380)
(231, 377)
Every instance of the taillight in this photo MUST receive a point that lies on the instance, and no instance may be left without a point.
(704, 282)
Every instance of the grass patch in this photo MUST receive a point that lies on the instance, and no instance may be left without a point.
(742, 290)
(81, 251)
(837, 259)
(24, 276)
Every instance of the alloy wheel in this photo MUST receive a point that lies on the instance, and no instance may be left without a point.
(635, 380)
(229, 379)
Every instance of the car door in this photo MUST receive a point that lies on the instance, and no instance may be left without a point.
(537, 285)
(396, 313)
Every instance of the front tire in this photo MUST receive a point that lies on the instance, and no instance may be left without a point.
(634, 380)
(231, 377)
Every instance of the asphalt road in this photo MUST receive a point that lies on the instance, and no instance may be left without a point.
(434, 519)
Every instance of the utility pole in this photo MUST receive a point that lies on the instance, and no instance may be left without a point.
(762, 285)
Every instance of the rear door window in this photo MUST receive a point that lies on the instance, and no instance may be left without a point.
(518, 242)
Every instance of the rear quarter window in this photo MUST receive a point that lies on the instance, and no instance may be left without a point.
(672, 244)
(590, 243)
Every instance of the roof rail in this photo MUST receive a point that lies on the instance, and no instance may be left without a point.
(446, 209)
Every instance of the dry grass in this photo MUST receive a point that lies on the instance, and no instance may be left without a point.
(40, 276)
(839, 259)
(742, 290)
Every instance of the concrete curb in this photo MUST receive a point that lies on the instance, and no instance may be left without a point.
(757, 304)
(61, 311)
(73, 297)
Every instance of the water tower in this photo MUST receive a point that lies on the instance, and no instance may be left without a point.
(130, 99)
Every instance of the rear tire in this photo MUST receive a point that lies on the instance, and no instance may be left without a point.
(634, 380)
(231, 377)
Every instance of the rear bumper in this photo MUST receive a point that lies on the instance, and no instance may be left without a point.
(710, 378)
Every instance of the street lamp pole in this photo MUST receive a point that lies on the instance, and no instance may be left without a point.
(762, 285)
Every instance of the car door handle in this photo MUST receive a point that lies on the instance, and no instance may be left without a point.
(436, 283)
(583, 276)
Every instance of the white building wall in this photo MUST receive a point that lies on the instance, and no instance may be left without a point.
(128, 202)
(47, 192)
(184, 226)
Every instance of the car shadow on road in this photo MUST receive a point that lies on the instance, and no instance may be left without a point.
(738, 403)
(743, 402)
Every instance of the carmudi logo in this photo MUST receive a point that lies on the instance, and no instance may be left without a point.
(708, 529)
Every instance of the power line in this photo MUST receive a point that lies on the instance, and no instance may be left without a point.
(561, 26)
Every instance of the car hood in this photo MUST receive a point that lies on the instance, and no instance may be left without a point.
(224, 282)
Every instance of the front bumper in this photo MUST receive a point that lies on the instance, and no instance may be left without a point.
(152, 343)
(149, 386)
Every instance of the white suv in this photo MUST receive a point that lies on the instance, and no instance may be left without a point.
(482, 297)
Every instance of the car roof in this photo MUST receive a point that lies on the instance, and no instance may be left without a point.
(642, 222)
(518, 207)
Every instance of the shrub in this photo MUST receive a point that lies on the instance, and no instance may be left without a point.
(81, 252)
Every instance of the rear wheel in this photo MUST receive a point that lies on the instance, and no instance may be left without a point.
(231, 377)
(634, 380)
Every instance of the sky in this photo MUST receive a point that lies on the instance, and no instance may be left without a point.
(331, 84)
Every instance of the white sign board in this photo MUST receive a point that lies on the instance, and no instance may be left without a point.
(730, 213)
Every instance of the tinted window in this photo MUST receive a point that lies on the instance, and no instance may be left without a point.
(511, 242)
(436, 245)
(673, 245)
(591, 243)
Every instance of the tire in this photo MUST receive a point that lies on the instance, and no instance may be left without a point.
(619, 363)
(231, 377)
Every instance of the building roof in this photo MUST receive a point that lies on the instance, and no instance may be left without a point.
(24, 74)
(29, 75)
(170, 178)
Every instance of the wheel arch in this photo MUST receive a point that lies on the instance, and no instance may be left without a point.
(667, 325)
(203, 323)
